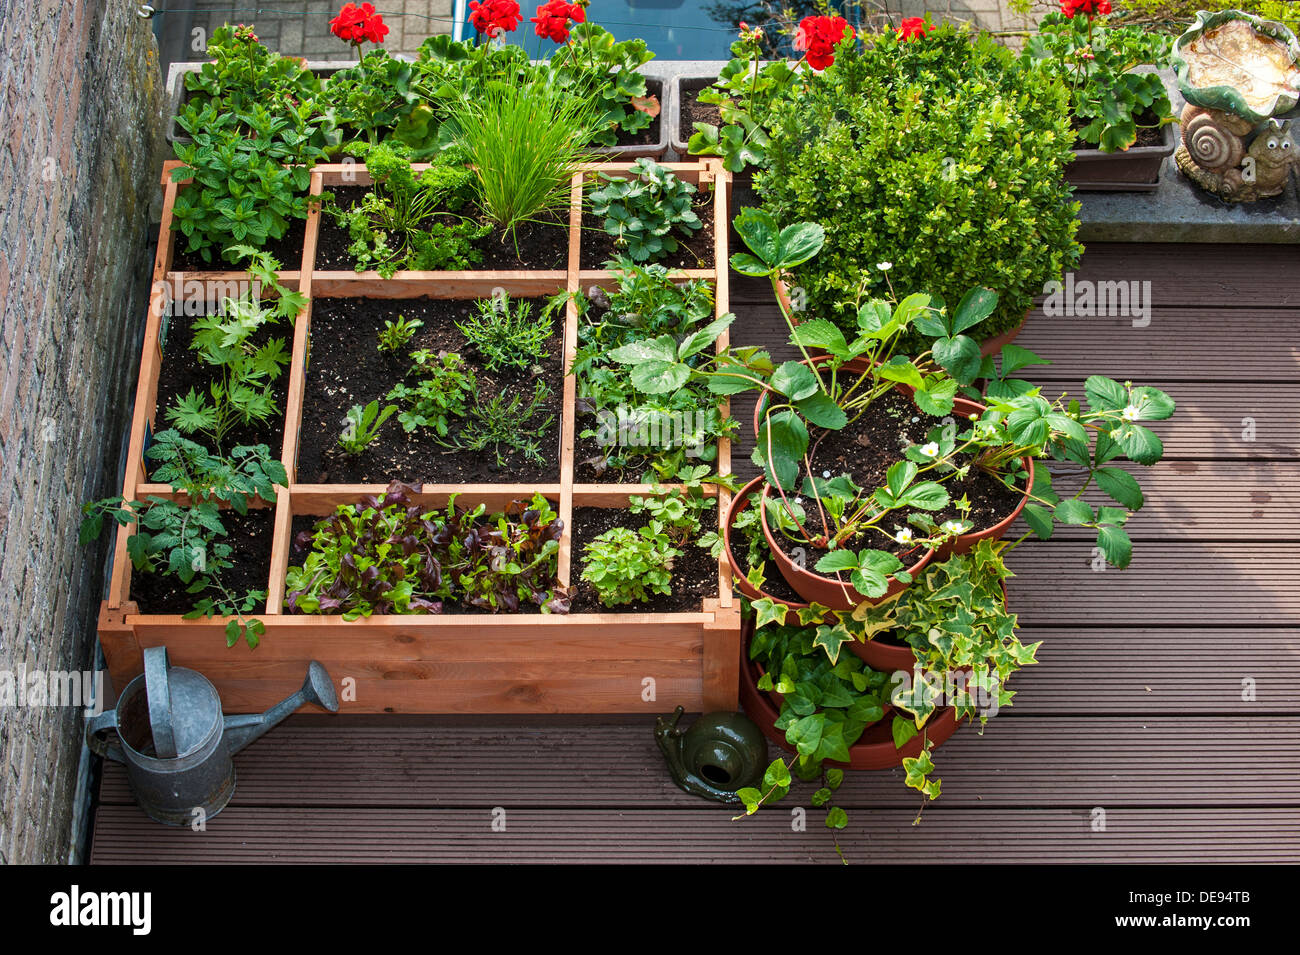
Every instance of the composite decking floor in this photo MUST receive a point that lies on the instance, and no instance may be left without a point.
(1161, 724)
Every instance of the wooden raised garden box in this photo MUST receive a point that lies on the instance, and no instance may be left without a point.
(582, 662)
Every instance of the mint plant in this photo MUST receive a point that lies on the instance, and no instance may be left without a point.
(643, 212)
(250, 172)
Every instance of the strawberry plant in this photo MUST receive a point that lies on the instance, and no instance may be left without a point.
(643, 212)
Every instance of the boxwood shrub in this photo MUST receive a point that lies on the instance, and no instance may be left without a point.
(940, 156)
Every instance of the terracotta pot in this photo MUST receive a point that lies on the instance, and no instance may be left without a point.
(962, 544)
(833, 592)
(888, 657)
(991, 346)
(963, 408)
(874, 749)
(739, 501)
(856, 366)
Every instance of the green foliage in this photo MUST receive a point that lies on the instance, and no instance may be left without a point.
(507, 336)
(243, 72)
(1095, 60)
(508, 423)
(255, 130)
(410, 222)
(524, 143)
(680, 510)
(647, 309)
(627, 566)
(265, 269)
(185, 540)
(377, 100)
(642, 212)
(943, 158)
(362, 427)
(243, 391)
(388, 554)
(1109, 430)
(444, 390)
(595, 66)
(395, 335)
(250, 177)
(745, 93)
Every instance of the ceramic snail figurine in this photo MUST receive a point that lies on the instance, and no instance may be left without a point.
(717, 755)
(1240, 75)
(1215, 156)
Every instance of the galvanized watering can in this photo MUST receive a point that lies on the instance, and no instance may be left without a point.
(175, 743)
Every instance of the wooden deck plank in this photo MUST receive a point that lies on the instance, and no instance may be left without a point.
(1168, 584)
(1197, 501)
(1024, 762)
(1225, 276)
(1182, 670)
(702, 835)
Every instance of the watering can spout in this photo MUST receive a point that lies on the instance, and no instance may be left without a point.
(318, 688)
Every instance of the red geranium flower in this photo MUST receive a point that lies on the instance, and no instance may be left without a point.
(818, 36)
(358, 23)
(553, 19)
(1091, 7)
(494, 17)
(912, 28)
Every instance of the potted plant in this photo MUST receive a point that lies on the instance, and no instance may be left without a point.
(976, 199)
(1123, 119)
(961, 650)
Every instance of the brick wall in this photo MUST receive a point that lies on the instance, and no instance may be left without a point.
(80, 102)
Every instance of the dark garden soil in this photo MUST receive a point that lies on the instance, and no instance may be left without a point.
(305, 523)
(693, 111)
(586, 451)
(542, 245)
(650, 135)
(287, 251)
(693, 252)
(774, 585)
(249, 536)
(345, 368)
(695, 573)
(182, 371)
(866, 449)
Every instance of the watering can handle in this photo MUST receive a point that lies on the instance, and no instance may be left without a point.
(97, 739)
(158, 688)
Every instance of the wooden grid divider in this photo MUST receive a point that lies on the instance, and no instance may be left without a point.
(125, 632)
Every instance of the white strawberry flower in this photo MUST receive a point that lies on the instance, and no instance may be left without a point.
(931, 449)
(904, 536)
(1130, 413)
